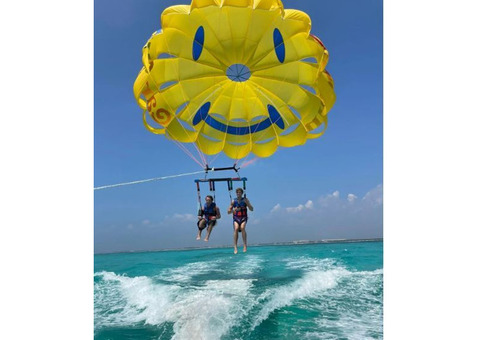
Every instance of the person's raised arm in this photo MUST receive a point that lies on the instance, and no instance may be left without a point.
(249, 205)
(229, 211)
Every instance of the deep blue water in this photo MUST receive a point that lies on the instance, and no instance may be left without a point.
(314, 291)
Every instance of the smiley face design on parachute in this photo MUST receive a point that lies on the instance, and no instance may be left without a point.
(238, 73)
(238, 77)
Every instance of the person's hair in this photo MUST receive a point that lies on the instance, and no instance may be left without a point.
(211, 197)
(239, 189)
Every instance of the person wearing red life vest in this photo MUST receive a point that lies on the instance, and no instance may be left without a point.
(239, 209)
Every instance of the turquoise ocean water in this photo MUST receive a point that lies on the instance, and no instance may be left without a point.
(313, 291)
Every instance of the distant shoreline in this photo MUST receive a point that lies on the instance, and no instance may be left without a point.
(289, 243)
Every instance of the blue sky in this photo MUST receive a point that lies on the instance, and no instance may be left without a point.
(331, 187)
(431, 168)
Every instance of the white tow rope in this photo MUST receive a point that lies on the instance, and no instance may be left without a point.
(147, 180)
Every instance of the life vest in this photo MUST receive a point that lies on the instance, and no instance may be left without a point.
(242, 212)
(209, 211)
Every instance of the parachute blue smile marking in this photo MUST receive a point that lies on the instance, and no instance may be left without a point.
(275, 118)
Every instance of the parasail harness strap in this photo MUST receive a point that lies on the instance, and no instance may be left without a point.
(211, 182)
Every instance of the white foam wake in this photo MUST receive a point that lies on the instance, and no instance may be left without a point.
(203, 312)
(184, 274)
(354, 320)
(250, 264)
(122, 300)
(322, 276)
(211, 311)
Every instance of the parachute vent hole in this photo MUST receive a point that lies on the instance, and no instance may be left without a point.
(240, 121)
(210, 138)
(310, 60)
(186, 126)
(166, 56)
(167, 84)
(218, 117)
(239, 139)
(237, 143)
(153, 123)
(265, 141)
(295, 112)
(290, 129)
(258, 118)
(319, 129)
(181, 107)
(238, 72)
(308, 88)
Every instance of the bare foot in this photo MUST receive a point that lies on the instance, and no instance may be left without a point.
(244, 249)
(206, 239)
(235, 250)
(198, 237)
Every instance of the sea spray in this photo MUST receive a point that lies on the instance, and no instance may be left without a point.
(211, 311)
(127, 301)
(308, 286)
(316, 291)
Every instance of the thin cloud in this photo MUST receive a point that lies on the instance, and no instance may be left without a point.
(255, 221)
(182, 217)
(374, 196)
(300, 207)
(277, 207)
(329, 216)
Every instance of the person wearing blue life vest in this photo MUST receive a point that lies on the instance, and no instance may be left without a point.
(207, 216)
(239, 208)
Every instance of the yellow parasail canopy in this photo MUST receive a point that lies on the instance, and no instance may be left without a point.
(236, 76)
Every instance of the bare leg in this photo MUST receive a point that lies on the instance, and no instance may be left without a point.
(201, 226)
(209, 230)
(244, 236)
(235, 237)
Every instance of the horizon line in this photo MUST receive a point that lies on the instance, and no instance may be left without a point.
(295, 242)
